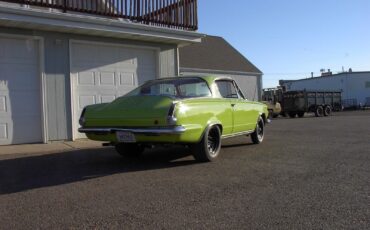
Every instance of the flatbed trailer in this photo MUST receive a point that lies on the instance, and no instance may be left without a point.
(322, 103)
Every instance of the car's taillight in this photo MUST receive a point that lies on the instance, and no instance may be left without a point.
(82, 118)
(171, 116)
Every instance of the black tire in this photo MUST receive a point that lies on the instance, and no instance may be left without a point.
(259, 132)
(292, 114)
(327, 110)
(319, 111)
(129, 150)
(209, 147)
(300, 114)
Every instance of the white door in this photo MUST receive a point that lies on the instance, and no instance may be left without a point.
(102, 72)
(20, 97)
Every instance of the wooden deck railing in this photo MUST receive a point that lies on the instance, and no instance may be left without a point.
(179, 14)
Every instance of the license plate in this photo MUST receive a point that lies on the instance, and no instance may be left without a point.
(126, 137)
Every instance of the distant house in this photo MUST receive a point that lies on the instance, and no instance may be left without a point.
(58, 56)
(215, 56)
(355, 86)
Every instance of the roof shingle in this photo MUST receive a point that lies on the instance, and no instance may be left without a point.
(215, 53)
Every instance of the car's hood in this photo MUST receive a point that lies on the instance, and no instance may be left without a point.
(130, 111)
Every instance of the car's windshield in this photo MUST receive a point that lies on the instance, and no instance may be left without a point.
(180, 88)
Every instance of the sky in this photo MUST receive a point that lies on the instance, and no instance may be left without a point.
(289, 39)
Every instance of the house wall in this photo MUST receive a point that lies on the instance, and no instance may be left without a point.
(251, 85)
(57, 73)
(352, 85)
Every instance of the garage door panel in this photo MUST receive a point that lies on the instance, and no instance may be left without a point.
(127, 79)
(3, 104)
(13, 77)
(3, 131)
(102, 72)
(85, 100)
(26, 123)
(86, 78)
(20, 92)
(23, 103)
(107, 98)
(145, 75)
(107, 78)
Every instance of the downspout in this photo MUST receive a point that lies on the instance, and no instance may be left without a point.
(178, 61)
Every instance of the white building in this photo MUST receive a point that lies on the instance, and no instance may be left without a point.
(355, 86)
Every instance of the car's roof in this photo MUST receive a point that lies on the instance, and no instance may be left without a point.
(208, 78)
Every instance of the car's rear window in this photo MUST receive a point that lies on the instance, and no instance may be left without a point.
(180, 88)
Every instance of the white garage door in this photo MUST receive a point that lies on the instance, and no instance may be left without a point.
(20, 97)
(102, 72)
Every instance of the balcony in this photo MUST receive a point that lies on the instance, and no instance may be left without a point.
(176, 14)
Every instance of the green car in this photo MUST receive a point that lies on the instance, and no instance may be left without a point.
(197, 112)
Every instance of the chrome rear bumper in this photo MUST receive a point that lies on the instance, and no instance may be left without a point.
(155, 131)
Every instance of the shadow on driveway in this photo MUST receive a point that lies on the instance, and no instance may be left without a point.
(32, 172)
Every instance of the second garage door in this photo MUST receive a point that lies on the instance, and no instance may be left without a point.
(102, 72)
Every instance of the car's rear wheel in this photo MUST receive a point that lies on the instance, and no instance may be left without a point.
(129, 150)
(259, 133)
(209, 147)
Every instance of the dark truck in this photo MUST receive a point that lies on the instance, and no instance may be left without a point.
(322, 103)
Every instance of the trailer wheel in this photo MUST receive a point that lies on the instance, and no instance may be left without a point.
(300, 114)
(292, 114)
(319, 112)
(327, 110)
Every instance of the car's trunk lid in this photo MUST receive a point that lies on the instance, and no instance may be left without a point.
(131, 111)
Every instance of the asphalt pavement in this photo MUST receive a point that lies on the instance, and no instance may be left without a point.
(309, 173)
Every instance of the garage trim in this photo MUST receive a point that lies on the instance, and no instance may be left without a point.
(72, 41)
(41, 57)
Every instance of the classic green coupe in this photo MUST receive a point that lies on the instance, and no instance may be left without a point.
(193, 111)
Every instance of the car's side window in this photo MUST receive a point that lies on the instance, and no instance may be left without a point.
(227, 89)
(241, 95)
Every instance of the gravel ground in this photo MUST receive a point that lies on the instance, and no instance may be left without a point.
(309, 173)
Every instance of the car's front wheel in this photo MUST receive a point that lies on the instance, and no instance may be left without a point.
(209, 147)
(259, 133)
(129, 149)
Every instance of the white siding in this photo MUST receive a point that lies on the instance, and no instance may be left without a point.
(352, 85)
